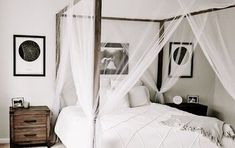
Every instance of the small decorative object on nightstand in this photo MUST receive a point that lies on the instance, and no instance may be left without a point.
(193, 108)
(30, 126)
(193, 99)
(177, 99)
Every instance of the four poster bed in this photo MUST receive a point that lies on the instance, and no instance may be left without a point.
(115, 111)
(139, 127)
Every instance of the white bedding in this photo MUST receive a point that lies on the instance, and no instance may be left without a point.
(71, 127)
(138, 127)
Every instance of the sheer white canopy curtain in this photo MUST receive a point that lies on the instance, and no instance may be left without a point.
(77, 63)
(131, 39)
(219, 52)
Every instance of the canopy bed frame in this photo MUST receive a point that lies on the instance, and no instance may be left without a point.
(99, 17)
(90, 98)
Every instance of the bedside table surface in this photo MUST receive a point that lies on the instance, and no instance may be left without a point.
(193, 108)
(30, 110)
(186, 104)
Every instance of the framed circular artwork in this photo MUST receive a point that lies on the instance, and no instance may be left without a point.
(29, 55)
(181, 60)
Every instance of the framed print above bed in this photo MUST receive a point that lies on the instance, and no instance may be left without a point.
(29, 55)
(181, 60)
(114, 58)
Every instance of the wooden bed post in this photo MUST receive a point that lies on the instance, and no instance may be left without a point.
(57, 42)
(97, 43)
(97, 40)
(160, 59)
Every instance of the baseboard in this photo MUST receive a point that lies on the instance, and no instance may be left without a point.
(4, 140)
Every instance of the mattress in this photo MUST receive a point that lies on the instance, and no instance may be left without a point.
(138, 127)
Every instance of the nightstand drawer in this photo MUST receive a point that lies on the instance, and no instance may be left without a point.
(32, 134)
(29, 126)
(22, 121)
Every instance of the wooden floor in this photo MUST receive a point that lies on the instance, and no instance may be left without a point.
(4, 145)
(58, 145)
(8, 146)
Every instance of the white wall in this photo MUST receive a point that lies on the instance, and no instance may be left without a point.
(223, 103)
(202, 82)
(26, 17)
(139, 36)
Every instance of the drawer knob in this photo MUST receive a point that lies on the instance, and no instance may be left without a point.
(30, 121)
(30, 135)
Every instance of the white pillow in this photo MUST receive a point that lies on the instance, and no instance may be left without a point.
(123, 103)
(139, 96)
(139, 83)
(115, 83)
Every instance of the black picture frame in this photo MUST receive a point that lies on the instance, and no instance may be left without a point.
(29, 55)
(17, 102)
(188, 46)
(116, 55)
(193, 99)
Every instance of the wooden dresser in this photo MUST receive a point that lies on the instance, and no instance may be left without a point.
(30, 126)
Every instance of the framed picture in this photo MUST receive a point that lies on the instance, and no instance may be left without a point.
(193, 99)
(29, 55)
(181, 60)
(17, 102)
(114, 58)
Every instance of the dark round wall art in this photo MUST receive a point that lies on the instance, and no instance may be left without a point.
(181, 55)
(180, 60)
(29, 50)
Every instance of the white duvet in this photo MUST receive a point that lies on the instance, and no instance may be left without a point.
(138, 127)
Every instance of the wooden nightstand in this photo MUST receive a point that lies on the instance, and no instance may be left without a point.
(193, 108)
(30, 126)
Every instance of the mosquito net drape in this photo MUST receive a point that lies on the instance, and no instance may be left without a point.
(129, 52)
(212, 38)
(79, 45)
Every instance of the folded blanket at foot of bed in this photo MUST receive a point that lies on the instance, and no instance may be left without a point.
(212, 128)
